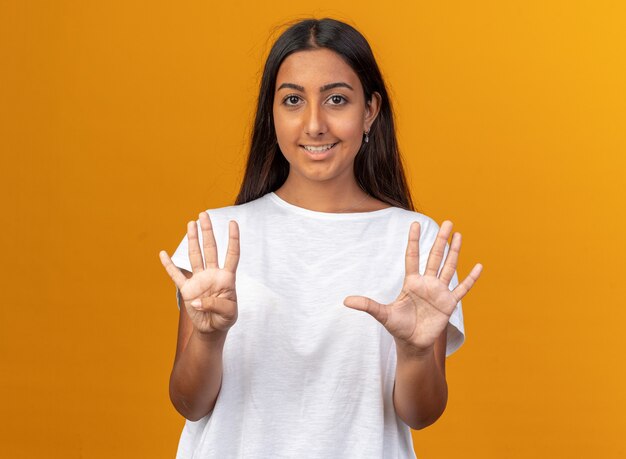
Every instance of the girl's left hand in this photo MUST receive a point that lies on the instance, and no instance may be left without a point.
(424, 306)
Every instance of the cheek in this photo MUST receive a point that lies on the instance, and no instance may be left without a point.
(349, 124)
(284, 141)
(279, 129)
(286, 128)
(350, 128)
(284, 136)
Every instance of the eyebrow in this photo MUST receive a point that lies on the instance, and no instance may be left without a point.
(326, 87)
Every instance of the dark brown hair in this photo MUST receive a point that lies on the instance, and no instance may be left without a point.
(377, 166)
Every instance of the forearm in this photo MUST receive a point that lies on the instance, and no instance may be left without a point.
(197, 375)
(421, 391)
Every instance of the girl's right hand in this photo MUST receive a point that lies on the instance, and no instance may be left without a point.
(209, 294)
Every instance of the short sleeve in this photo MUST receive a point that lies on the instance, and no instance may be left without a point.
(456, 328)
(181, 255)
(181, 259)
(220, 231)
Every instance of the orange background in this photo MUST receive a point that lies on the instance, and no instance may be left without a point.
(121, 120)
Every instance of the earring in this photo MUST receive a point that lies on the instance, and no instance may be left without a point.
(367, 137)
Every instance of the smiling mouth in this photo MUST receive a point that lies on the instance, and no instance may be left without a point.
(319, 149)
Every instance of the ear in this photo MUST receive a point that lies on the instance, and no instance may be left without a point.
(372, 108)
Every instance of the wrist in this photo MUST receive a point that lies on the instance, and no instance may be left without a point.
(213, 338)
(408, 351)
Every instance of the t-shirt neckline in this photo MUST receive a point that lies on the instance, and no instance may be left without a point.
(328, 215)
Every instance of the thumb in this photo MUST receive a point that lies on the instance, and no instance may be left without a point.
(362, 303)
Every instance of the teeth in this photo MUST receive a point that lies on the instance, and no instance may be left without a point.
(318, 149)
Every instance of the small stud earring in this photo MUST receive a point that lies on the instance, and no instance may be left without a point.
(367, 137)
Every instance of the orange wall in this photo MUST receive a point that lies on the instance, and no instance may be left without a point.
(120, 121)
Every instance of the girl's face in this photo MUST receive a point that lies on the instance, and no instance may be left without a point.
(320, 114)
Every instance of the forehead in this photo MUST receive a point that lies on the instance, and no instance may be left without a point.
(316, 68)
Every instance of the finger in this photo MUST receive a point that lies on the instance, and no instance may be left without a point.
(192, 290)
(449, 266)
(214, 304)
(193, 246)
(232, 254)
(461, 290)
(412, 258)
(437, 250)
(375, 309)
(176, 274)
(209, 246)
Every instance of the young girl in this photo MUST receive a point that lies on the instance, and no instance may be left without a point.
(313, 325)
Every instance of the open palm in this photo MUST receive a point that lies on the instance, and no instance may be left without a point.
(423, 308)
(209, 294)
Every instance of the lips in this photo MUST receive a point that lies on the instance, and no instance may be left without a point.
(319, 148)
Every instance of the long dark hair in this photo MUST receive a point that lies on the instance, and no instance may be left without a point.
(377, 166)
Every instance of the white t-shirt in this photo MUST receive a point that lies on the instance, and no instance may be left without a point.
(304, 375)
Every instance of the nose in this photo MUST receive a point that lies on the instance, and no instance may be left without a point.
(314, 121)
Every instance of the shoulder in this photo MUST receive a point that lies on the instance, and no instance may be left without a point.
(427, 224)
(237, 211)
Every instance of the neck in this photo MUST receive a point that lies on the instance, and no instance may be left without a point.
(324, 196)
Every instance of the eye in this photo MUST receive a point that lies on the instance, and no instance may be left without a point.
(291, 100)
(338, 99)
